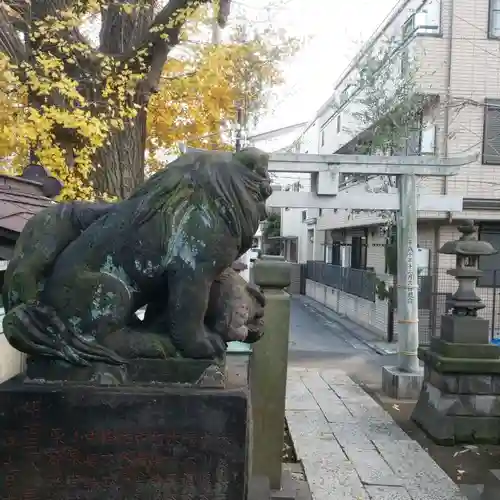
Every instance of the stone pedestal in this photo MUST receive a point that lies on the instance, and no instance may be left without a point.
(460, 398)
(157, 441)
(401, 385)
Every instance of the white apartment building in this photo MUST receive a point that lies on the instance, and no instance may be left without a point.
(447, 53)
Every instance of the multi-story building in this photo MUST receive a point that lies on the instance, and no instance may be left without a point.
(426, 83)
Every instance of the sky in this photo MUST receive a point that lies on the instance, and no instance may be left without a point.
(333, 31)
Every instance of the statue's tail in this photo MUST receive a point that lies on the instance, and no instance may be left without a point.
(37, 330)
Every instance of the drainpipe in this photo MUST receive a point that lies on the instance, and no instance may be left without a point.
(446, 127)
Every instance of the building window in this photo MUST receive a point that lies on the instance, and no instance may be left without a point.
(391, 251)
(346, 94)
(320, 212)
(322, 137)
(428, 140)
(490, 264)
(413, 142)
(339, 123)
(428, 18)
(336, 253)
(328, 254)
(494, 19)
(408, 28)
(407, 32)
(358, 252)
(491, 135)
(304, 215)
(292, 250)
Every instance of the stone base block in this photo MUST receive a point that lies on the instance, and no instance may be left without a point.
(474, 365)
(465, 329)
(451, 418)
(140, 371)
(466, 383)
(288, 489)
(464, 351)
(401, 385)
(492, 486)
(60, 440)
(259, 488)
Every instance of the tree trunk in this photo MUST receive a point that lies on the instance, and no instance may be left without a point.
(119, 166)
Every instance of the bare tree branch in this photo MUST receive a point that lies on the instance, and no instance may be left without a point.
(163, 36)
(10, 42)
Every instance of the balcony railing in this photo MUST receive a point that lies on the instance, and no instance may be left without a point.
(356, 282)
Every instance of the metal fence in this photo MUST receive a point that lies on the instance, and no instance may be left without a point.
(357, 282)
(435, 292)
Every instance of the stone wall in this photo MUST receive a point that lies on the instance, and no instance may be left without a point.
(372, 315)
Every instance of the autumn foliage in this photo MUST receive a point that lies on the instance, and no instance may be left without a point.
(92, 112)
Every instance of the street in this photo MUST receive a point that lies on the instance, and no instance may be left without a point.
(318, 342)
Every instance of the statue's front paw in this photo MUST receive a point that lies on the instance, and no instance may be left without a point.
(218, 343)
(206, 346)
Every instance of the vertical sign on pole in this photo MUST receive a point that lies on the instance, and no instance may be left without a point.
(407, 275)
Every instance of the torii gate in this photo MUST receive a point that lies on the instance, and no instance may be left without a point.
(326, 169)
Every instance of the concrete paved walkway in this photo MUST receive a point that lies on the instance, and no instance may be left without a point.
(351, 448)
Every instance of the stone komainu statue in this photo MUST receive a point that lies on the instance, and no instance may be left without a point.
(81, 271)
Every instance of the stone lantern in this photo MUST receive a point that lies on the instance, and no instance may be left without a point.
(463, 324)
(460, 397)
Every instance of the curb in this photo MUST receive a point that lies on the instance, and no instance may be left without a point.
(339, 320)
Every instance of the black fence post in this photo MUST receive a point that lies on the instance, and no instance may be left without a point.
(494, 305)
(390, 320)
(433, 319)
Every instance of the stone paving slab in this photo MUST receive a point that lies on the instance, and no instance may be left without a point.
(351, 448)
(387, 493)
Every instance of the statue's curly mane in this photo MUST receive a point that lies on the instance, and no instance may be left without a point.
(215, 180)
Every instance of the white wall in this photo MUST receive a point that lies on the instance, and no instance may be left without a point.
(309, 140)
(428, 79)
(292, 225)
(11, 361)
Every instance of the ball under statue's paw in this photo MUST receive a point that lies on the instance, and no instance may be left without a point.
(255, 330)
(238, 334)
